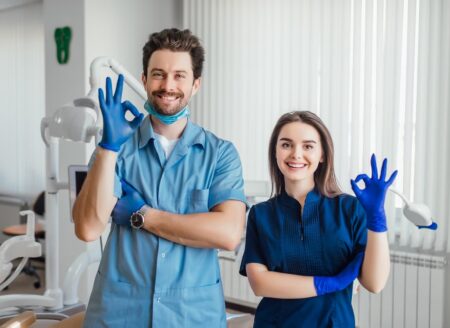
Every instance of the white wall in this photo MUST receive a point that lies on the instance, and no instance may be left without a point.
(99, 28)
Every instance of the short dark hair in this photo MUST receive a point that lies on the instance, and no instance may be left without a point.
(324, 177)
(179, 41)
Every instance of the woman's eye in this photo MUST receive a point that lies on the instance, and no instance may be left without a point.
(285, 145)
(308, 147)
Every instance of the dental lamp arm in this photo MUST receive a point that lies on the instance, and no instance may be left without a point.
(102, 62)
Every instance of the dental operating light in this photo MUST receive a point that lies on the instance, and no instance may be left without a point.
(76, 121)
(418, 214)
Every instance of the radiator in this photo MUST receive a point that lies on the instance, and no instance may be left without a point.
(414, 295)
(236, 288)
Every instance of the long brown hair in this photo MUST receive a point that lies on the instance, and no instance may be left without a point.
(324, 177)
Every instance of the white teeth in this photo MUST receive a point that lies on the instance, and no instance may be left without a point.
(297, 166)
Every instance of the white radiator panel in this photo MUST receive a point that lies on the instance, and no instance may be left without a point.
(412, 298)
(236, 288)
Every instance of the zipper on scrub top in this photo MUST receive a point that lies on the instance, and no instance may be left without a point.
(302, 230)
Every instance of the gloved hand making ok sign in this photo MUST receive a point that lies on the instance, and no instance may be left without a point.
(116, 128)
(373, 195)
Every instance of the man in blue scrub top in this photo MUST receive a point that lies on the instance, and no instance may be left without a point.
(180, 185)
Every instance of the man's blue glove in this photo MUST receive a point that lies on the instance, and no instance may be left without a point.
(331, 284)
(116, 128)
(372, 197)
(130, 202)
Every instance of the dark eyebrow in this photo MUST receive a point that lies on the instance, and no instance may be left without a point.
(304, 141)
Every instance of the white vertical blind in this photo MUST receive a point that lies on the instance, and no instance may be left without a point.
(376, 71)
(22, 100)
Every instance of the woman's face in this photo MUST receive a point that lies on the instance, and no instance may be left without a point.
(298, 153)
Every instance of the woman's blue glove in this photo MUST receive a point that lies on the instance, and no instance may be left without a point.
(372, 197)
(116, 128)
(331, 284)
(130, 202)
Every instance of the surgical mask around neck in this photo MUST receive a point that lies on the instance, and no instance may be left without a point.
(167, 119)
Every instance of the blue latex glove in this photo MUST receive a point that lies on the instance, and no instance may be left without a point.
(116, 128)
(331, 284)
(130, 202)
(372, 197)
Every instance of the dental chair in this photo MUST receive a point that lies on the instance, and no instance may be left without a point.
(39, 233)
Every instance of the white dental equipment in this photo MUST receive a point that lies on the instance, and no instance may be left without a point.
(78, 122)
(418, 214)
(24, 247)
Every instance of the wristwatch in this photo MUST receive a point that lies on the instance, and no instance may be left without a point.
(137, 218)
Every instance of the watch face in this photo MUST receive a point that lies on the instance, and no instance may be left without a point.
(137, 220)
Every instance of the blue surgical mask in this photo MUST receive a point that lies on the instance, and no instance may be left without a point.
(167, 119)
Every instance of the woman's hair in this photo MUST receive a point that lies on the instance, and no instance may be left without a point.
(324, 177)
(178, 41)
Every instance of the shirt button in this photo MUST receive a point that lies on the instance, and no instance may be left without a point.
(163, 255)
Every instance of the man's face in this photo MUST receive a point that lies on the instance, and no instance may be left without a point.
(170, 81)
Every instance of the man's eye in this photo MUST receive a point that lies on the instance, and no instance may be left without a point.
(179, 76)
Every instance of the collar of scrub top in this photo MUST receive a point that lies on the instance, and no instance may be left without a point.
(192, 134)
(312, 197)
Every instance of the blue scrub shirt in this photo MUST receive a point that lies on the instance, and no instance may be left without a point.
(321, 241)
(147, 281)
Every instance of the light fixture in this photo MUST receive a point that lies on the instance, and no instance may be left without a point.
(419, 214)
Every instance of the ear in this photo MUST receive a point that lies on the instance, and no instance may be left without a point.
(196, 85)
(144, 80)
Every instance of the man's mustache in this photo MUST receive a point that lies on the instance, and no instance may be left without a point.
(168, 94)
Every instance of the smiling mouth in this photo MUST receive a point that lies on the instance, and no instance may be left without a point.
(296, 165)
(168, 98)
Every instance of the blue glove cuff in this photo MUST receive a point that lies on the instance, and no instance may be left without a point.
(323, 285)
(377, 223)
(109, 147)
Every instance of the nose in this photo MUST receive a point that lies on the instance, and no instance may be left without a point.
(297, 152)
(168, 83)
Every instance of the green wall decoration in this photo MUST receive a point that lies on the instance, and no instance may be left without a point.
(63, 36)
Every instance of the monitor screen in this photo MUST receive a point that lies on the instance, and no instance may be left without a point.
(77, 174)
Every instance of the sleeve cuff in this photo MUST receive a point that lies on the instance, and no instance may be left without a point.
(220, 197)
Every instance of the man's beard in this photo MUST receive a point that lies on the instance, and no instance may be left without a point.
(171, 111)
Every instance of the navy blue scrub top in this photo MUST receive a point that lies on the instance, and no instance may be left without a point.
(321, 241)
